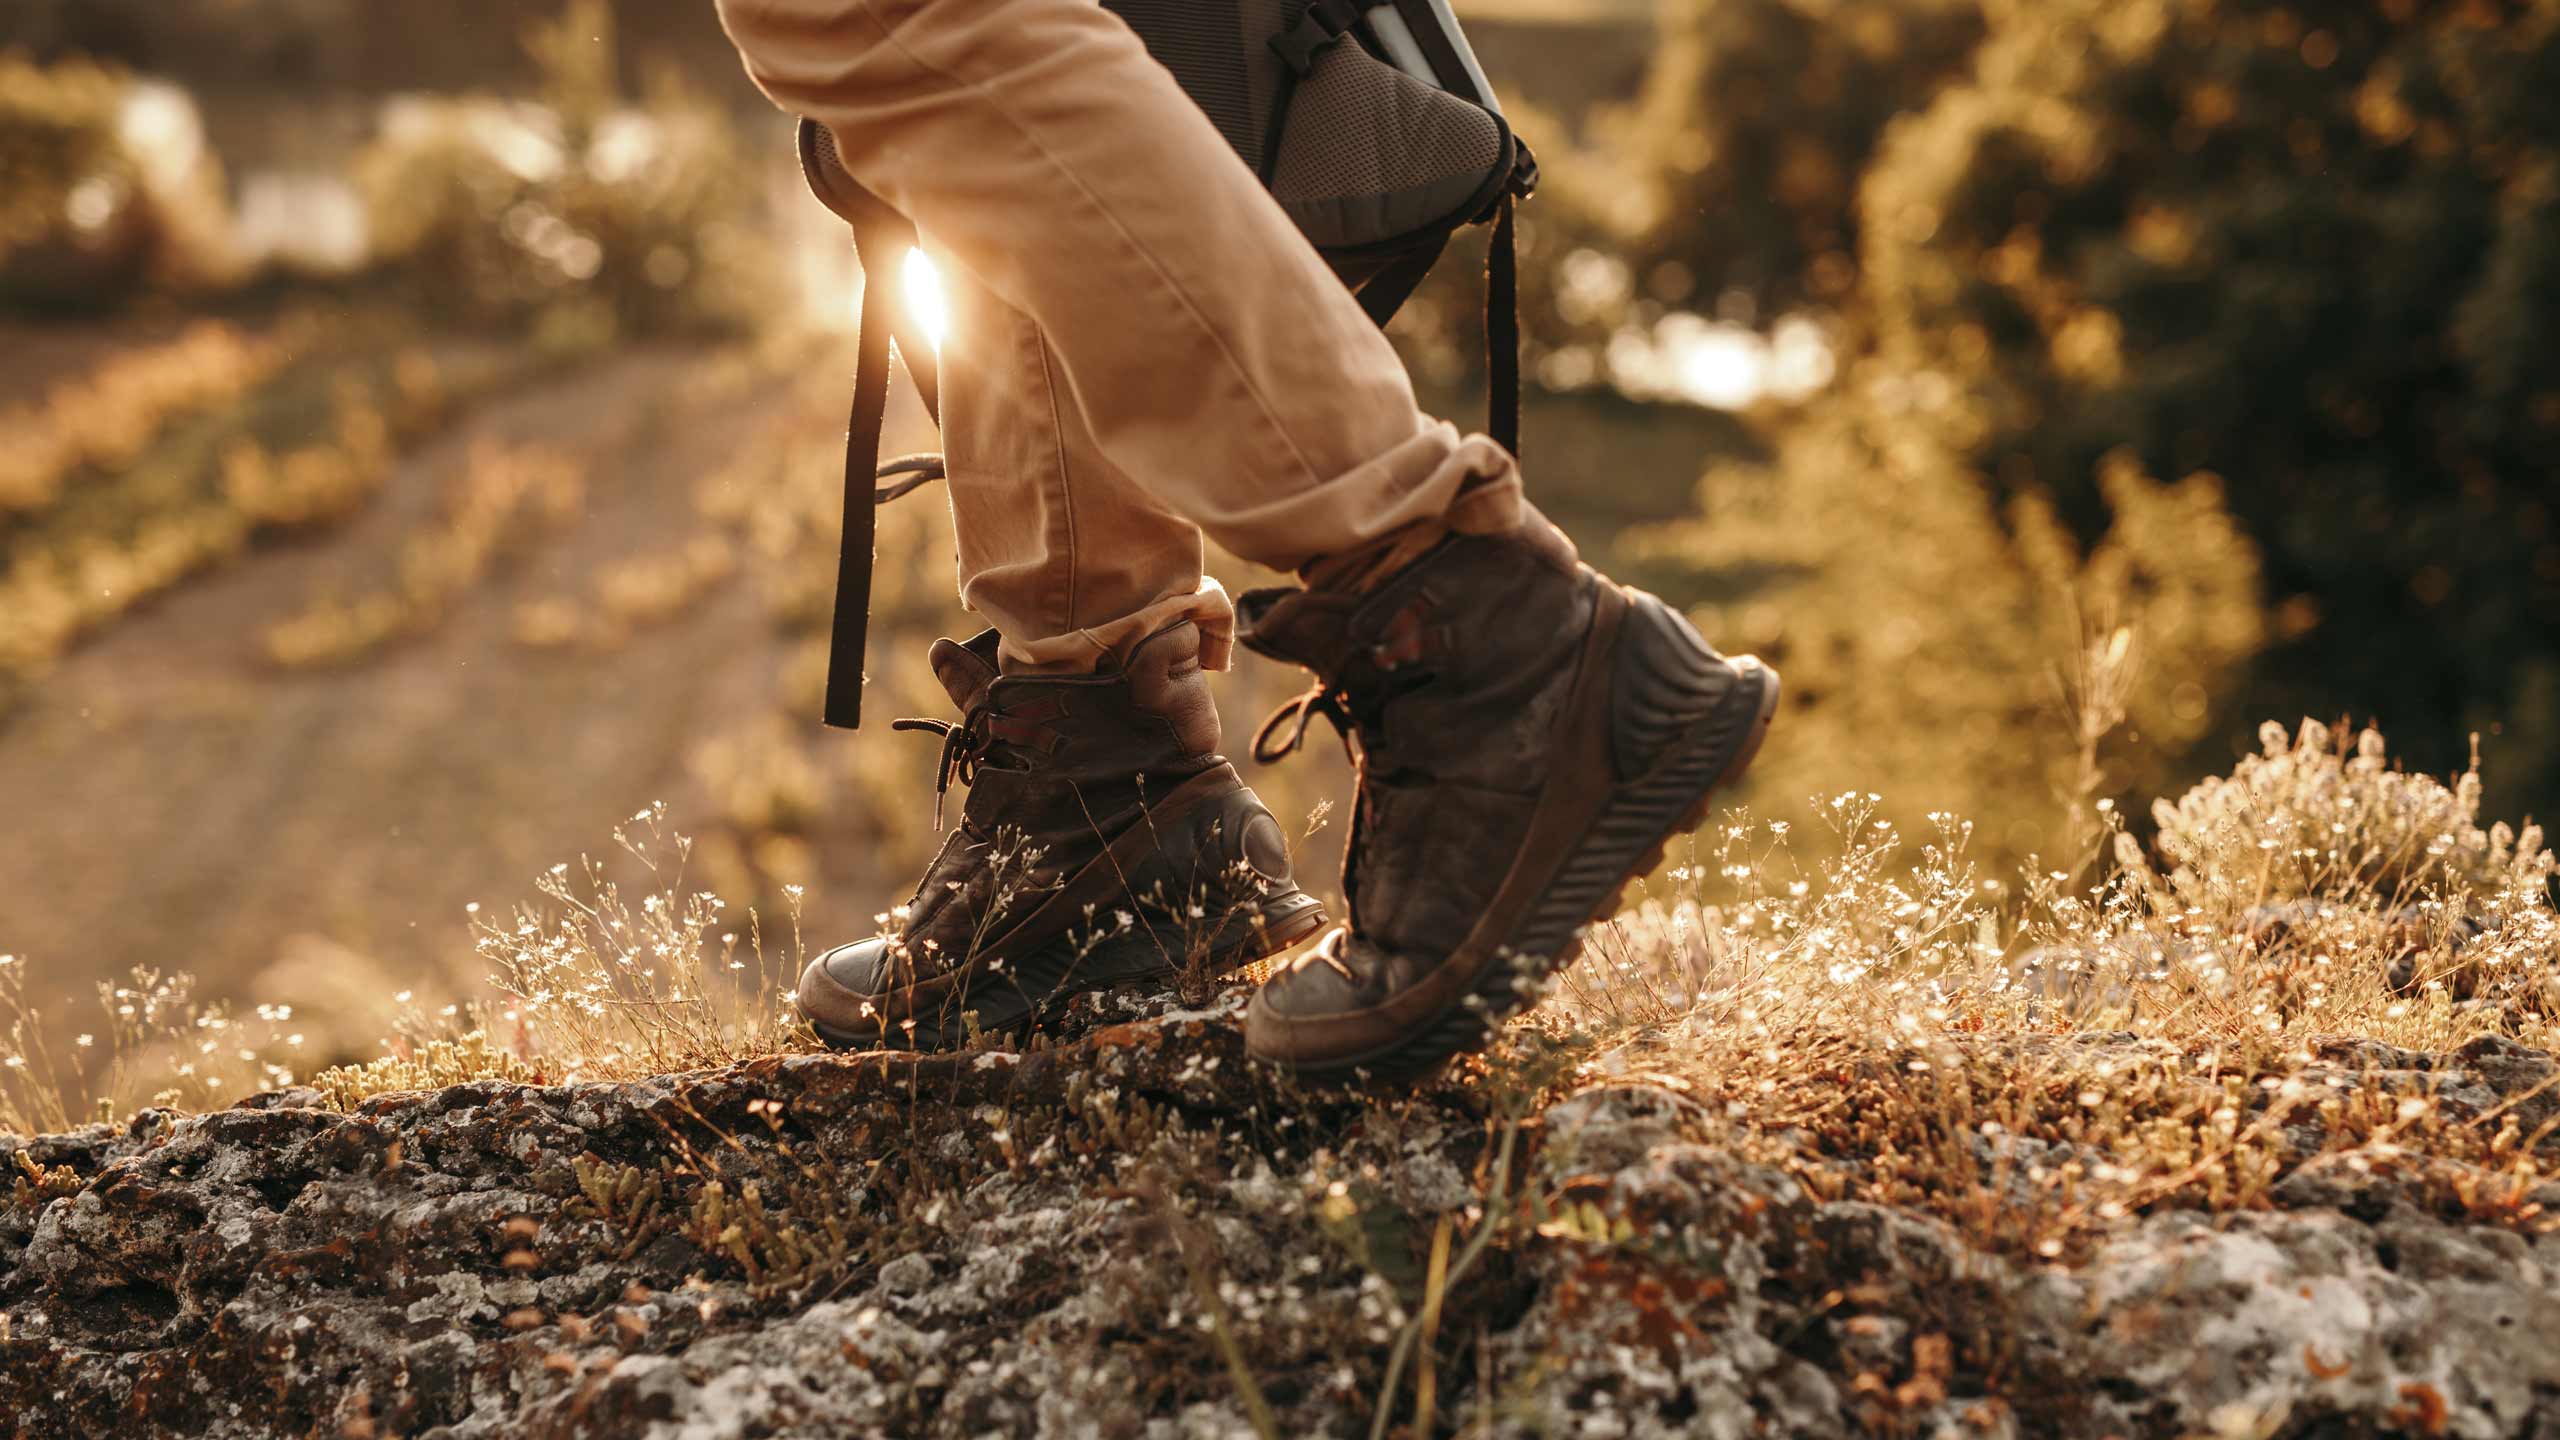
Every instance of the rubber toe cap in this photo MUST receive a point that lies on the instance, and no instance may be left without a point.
(841, 988)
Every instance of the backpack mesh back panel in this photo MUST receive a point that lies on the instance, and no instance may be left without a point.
(1369, 195)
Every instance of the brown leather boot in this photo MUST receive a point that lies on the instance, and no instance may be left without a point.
(1529, 737)
(1104, 841)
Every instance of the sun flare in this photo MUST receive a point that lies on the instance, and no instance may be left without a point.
(922, 282)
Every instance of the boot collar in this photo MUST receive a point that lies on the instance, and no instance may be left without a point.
(1347, 639)
(1151, 716)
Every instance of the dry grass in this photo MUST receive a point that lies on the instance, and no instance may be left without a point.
(2225, 1009)
(2036, 1060)
(599, 985)
(148, 1041)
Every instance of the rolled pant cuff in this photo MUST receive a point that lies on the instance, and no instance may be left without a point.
(1470, 484)
(1093, 647)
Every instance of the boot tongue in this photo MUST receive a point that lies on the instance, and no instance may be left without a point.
(965, 670)
(969, 672)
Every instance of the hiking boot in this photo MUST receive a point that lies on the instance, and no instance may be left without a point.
(1105, 841)
(1529, 737)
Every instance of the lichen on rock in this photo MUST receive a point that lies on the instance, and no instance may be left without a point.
(1068, 1241)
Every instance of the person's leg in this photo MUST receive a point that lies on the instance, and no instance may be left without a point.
(1072, 562)
(1086, 732)
(1529, 734)
(1215, 357)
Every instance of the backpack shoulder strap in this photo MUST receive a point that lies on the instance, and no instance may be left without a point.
(880, 235)
(1386, 292)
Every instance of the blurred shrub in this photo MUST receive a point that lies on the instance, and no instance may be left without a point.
(171, 516)
(1727, 185)
(2310, 249)
(652, 589)
(317, 483)
(106, 186)
(760, 777)
(1961, 654)
(189, 452)
(106, 418)
(581, 212)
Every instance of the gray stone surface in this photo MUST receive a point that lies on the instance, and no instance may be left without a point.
(1054, 1244)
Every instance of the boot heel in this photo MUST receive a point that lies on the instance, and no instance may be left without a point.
(1665, 680)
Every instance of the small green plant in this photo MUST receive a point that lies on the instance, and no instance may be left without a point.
(37, 1184)
(425, 1063)
(628, 1198)
(790, 1224)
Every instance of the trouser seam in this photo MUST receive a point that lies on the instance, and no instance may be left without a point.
(1065, 485)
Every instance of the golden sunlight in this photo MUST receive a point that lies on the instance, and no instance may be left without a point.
(923, 284)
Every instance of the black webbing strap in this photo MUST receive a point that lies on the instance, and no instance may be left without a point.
(1322, 23)
(881, 238)
(1502, 332)
(1502, 261)
(1386, 292)
(852, 625)
(1443, 57)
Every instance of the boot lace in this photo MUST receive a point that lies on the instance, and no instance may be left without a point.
(1330, 702)
(964, 745)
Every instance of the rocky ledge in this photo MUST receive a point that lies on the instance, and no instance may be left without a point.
(1133, 1234)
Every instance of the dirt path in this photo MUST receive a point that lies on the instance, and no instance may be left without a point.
(170, 797)
(174, 799)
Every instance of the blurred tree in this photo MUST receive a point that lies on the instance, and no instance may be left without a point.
(1727, 183)
(2308, 248)
(1739, 160)
(106, 186)
(1958, 654)
(588, 214)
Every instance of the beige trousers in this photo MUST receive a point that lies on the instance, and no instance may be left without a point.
(1143, 348)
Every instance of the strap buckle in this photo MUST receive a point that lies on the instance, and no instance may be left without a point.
(1324, 22)
(1524, 171)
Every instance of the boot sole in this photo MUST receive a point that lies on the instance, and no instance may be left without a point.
(1627, 842)
(1046, 980)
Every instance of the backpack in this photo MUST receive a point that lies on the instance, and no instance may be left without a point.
(1368, 120)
